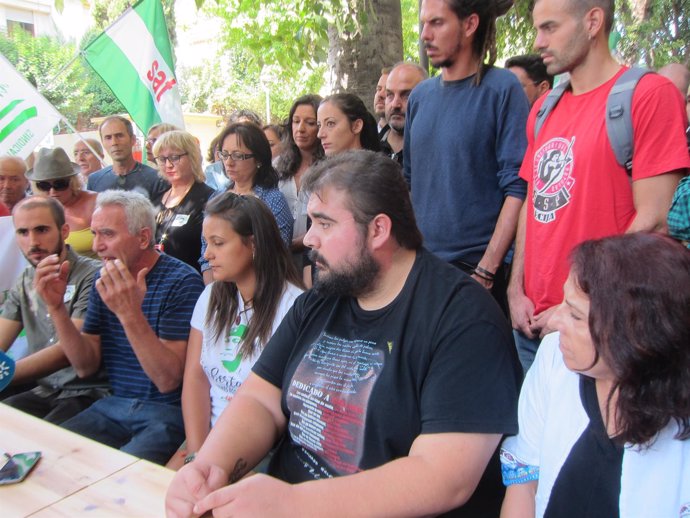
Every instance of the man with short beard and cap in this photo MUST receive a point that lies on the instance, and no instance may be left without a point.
(59, 393)
(13, 182)
(402, 78)
(396, 370)
(577, 190)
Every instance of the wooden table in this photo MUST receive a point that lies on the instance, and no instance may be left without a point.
(136, 491)
(76, 475)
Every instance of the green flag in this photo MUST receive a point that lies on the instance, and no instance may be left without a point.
(134, 58)
(25, 116)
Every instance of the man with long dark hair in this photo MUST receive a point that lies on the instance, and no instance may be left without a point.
(464, 142)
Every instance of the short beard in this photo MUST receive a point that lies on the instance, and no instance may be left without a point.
(57, 251)
(449, 61)
(354, 281)
(398, 129)
(446, 63)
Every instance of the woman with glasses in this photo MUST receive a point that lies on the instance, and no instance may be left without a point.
(246, 156)
(254, 285)
(604, 410)
(56, 176)
(302, 149)
(345, 123)
(180, 208)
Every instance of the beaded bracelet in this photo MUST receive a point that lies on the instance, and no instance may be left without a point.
(483, 273)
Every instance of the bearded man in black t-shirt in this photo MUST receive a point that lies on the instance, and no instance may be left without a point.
(387, 387)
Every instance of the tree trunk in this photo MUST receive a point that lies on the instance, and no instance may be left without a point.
(423, 58)
(640, 9)
(355, 60)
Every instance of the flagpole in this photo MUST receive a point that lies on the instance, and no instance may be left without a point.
(79, 52)
(49, 83)
(126, 11)
(62, 117)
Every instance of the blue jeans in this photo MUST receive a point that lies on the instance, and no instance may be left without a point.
(152, 431)
(526, 349)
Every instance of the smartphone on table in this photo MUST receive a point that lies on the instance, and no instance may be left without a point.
(18, 466)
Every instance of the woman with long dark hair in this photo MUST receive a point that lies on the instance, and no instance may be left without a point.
(301, 149)
(605, 409)
(254, 285)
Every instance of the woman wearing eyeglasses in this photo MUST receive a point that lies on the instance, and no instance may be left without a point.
(246, 156)
(180, 208)
(56, 176)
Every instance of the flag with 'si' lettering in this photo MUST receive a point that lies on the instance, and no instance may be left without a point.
(134, 58)
(25, 116)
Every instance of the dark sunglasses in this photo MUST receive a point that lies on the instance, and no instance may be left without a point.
(58, 185)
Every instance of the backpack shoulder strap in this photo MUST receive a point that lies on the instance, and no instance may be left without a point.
(619, 125)
(548, 105)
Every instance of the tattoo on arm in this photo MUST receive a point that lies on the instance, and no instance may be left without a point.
(238, 471)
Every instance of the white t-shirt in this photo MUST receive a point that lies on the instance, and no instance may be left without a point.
(225, 368)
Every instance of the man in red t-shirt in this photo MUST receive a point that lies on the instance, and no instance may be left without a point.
(577, 190)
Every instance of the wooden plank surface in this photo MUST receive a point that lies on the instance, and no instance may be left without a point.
(137, 491)
(69, 463)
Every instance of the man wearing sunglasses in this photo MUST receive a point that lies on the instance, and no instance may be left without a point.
(126, 174)
(45, 385)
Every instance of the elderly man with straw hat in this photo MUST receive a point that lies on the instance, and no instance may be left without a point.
(54, 175)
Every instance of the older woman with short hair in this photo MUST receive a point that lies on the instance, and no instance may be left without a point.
(605, 410)
(180, 208)
(85, 157)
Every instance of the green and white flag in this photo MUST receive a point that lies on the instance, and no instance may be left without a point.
(134, 59)
(25, 116)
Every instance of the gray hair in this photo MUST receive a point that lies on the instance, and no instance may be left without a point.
(138, 210)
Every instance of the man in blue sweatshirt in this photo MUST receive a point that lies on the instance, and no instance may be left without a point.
(464, 142)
